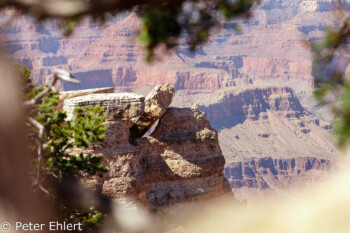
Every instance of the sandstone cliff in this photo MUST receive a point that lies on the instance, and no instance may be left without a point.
(180, 161)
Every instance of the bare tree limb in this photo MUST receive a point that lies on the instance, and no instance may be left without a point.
(44, 190)
(65, 75)
(41, 129)
(58, 74)
(39, 96)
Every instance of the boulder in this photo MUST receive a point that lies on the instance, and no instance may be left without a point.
(156, 103)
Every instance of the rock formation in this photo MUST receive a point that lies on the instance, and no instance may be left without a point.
(270, 50)
(180, 161)
(261, 122)
(70, 94)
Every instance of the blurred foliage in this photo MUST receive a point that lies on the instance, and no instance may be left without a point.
(159, 25)
(91, 220)
(25, 75)
(60, 138)
(68, 25)
(332, 84)
(192, 20)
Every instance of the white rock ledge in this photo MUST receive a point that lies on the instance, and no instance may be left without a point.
(118, 106)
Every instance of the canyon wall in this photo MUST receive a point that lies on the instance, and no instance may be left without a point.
(263, 178)
(254, 86)
(262, 122)
(270, 50)
(271, 143)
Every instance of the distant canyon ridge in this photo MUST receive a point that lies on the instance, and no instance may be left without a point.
(255, 87)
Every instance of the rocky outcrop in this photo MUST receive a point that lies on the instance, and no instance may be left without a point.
(270, 176)
(156, 103)
(180, 161)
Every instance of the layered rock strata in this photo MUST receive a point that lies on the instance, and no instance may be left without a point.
(270, 49)
(267, 122)
(260, 178)
(117, 106)
(272, 143)
(180, 161)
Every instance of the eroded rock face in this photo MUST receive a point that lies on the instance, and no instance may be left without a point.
(180, 161)
(267, 122)
(272, 143)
